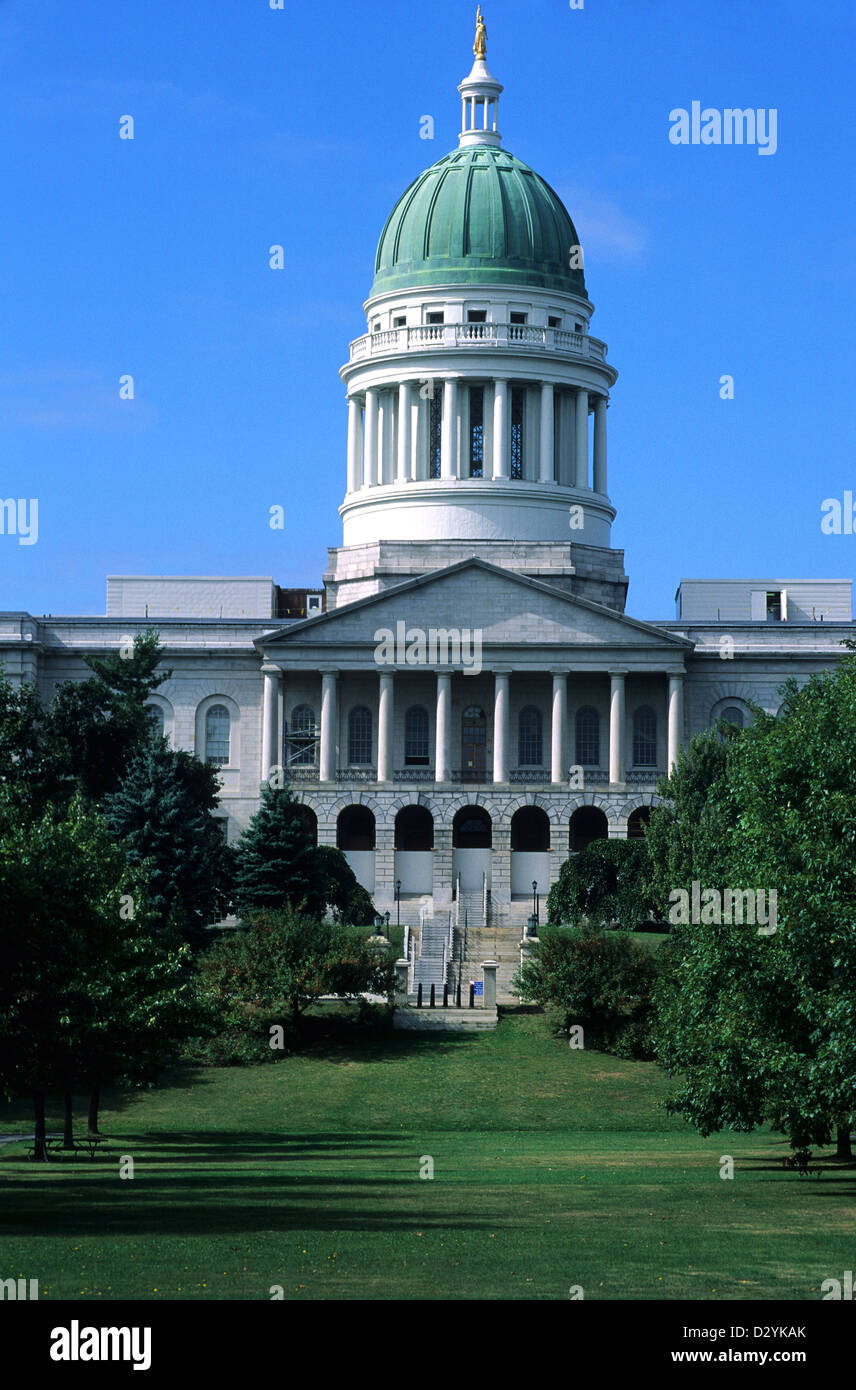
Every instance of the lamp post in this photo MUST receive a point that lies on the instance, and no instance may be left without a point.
(535, 905)
(398, 902)
(386, 921)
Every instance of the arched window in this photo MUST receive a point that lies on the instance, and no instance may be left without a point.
(301, 737)
(416, 737)
(637, 823)
(588, 737)
(217, 735)
(645, 737)
(733, 715)
(156, 718)
(530, 739)
(360, 736)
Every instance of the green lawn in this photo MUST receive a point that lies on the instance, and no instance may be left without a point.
(552, 1168)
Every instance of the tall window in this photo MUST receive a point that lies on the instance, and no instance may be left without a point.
(217, 735)
(588, 737)
(733, 715)
(476, 431)
(360, 736)
(435, 433)
(155, 714)
(645, 737)
(518, 399)
(416, 737)
(301, 740)
(530, 740)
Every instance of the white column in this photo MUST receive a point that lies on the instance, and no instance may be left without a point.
(581, 445)
(500, 726)
(385, 726)
(354, 445)
(329, 726)
(449, 438)
(383, 416)
(370, 471)
(599, 481)
(442, 770)
(405, 409)
(500, 430)
(559, 742)
(270, 707)
(546, 432)
(616, 727)
(676, 718)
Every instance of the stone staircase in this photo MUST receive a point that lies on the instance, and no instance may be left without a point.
(471, 910)
(428, 966)
(479, 944)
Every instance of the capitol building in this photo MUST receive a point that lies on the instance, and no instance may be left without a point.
(460, 701)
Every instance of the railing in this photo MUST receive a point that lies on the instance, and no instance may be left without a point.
(479, 776)
(463, 335)
(648, 774)
(405, 950)
(301, 774)
(414, 774)
(356, 774)
(411, 972)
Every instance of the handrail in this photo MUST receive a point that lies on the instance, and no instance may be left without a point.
(457, 335)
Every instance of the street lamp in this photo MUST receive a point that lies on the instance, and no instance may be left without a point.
(386, 920)
(535, 904)
(398, 902)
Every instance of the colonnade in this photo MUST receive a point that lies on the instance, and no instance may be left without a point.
(559, 769)
(385, 419)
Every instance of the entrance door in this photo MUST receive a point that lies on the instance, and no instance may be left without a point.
(473, 745)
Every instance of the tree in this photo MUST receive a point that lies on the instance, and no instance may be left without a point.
(86, 990)
(162, 814)
(600, 980)
(288, 959)
(277, 863)
(28, 767)
(609, 881)
(762, 1025)
(98, 724)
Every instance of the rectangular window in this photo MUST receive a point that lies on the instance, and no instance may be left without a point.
(477, 316)
(435, 316)
(518, 399)
(400, 321)
(476, 431)
(554, 322)
(435, 435)
(517, 317)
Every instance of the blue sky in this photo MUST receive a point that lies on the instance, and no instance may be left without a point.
(301, 127)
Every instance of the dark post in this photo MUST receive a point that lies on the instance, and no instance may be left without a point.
(458, 993)
(432, 994)
(398, 902)
(472, 995)
(386, 923)
(445, 996)
(419, 995)
(535, 902)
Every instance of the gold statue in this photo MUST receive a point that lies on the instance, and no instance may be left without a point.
(480, 45)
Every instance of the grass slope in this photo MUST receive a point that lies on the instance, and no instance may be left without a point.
(552, 1168)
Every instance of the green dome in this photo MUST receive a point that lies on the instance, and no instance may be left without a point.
(478, 216)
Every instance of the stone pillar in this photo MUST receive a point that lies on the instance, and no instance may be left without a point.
(270, 709)
(370, 441)
(489, 977)
(405, 410)
(449, 438)
(599, 468)
(329, 726)
(355, 445)
(442, 770)
(559, 743)
(500, 726)
(546, 475)
(616, 727)
(401, 972)
(675, 718)
(501, 459)
(385, 725)
(581, 444)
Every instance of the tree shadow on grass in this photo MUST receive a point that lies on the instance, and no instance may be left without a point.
(164, 1202)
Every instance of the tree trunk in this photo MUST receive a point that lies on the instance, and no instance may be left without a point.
(94, 1101)
(40, 1151)
(67, 1128)
(843, 1146)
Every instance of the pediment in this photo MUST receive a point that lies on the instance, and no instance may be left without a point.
(514, 614)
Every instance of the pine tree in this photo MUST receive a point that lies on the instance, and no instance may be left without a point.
(276, 862)
(162, 813)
